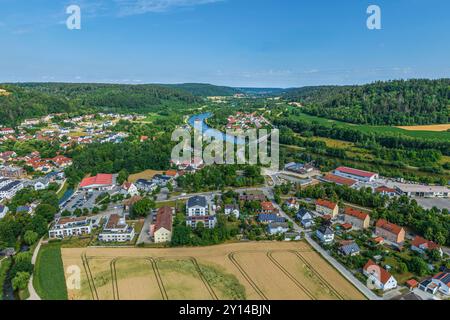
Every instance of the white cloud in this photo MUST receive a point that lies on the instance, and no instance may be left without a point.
(134, 7)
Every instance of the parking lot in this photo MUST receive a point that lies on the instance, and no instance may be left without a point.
(84, 199)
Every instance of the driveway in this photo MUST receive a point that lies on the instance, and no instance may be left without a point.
(144, 236)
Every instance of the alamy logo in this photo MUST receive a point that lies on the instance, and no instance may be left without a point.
(73, 281)
(73, 22)
(234, 147)
(374, 20)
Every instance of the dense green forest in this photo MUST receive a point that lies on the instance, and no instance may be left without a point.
(397, 102)
(204, 90)
(29, 100)
(20, 103)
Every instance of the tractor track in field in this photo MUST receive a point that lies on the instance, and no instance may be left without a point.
(305, 290)
(231, 257)
(89, 276)
(317, 274)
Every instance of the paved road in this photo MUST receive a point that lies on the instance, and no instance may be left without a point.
(144, 236)
(347, 274)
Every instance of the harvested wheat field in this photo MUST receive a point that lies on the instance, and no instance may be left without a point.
(433, 127)
(256, 270)
(147, 175)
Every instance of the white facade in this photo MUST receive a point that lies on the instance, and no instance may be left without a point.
(391, 283)
(116, 230)
(9, 191)
(66, 227)
(325, 236)
(162, 235)
(3, 211)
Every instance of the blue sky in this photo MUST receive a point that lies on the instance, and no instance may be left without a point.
(263, 43)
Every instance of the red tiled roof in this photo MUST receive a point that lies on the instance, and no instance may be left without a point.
(339, 180)
(356, 172)
(412, 283)
(326, 203)
(385, 189)
(347, 226)
(100, 179)
(356, 213)
(383, 273)
(267, 205)
(418, 241)
(171, 173)
(164, 219)
(391, 227)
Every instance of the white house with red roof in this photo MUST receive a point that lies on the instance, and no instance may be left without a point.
(326, 207)
(62, 161)
(355, 174)
(386, 191)
(128, 188)
(99, 182)
(379, 277)
(5, 131)
(423, 245)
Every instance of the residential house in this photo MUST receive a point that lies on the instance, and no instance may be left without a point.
(269, 218)
(146, 185)
(349, 248)
(197, 210)
(162, 231)
(325, 234)
(232, 209)
(326, 207)
(267, 207)
(389, 231)
(292, 236)
(128, 188)
(161, 180)
(442, 280)
(128, 203)
(379, 277)
(292, 204)
(62, 161)
(275, 228)
(356, 218)
(422, 245)
(116, 230)
(306, 218)
(70, 226)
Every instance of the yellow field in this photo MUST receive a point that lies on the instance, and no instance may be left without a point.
(434, 127)
(262, 270)
(3, 92)
(147, 175)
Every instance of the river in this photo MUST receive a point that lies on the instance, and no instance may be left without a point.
(210, 132)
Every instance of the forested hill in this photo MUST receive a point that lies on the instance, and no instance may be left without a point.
(36, 99)
(18, 103)
(399, 102)
(204, 90)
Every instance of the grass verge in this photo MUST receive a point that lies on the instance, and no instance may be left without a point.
(49, 281)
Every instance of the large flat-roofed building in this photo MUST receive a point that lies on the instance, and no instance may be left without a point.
(10, 189)
(355, 174)
(116, 230)
(98, 182)
(70, 226)
(422, 191)
(340, 181)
